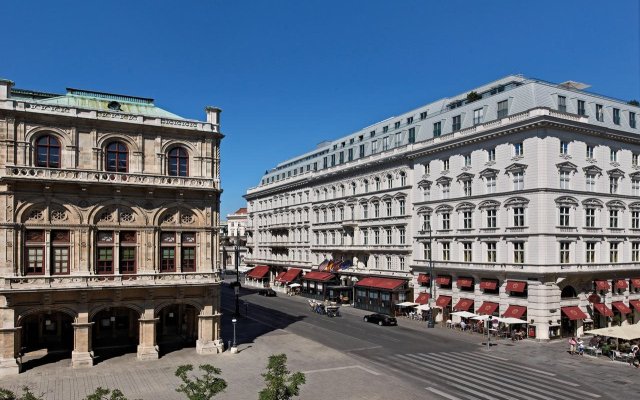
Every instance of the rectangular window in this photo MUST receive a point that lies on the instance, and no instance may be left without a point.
(60, 259)
(127, 260)
(590, 252)
(564, 147)
(385, 129)
(168, 252)
(409, 120)
(564, 252)
(491, 252)
(466, 185)
(635, 219)
(635, 251)
(613, 184)
(423, 115)
(446, 222)
(616, 116)
(426, 251)
(467, 160)
(635, 187)
(613, 218)
(398, 139)
(34, 252)
(518, 181)
(361, 150)
(634, 159)
(581, 109)
(467, 252)
(518, 149)
(478, 116)
(341, 157)
(388, 262)
(613, 252)
(412, 135)
(401, 206)
(591, 182)
(333, 160)
(491, 184)
(518, 252)
(492, 214)
(350, 154)
(365, 211)
(491, 154)
(467, 220)
(503, 109)
(590, 217)
(372, 133)
(105, 260)
(445, 164)
(564, 179)
(456, 123)
(613, 155)
(376, 236)
(388, 207)
(437, 129)
(426, 222)
(374, 147)
(632, 119)
(518, 216)
(564, 216)
(376, 210)
(562, 104)
(401, 259)
(589, 151)
(365, 237)
(402, 235)
(385, 143)
(599, 113)
(446, 188)
(396, 125)
(446, 251)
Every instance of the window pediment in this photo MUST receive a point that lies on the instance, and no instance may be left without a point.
(425, 210)
(489, 204)
(465, 206)
(443, 180)
(634, 206)
(516, 201)
(592, 169)
(424, 183)
(635, 175)
(616, 172)
(465, 176)
(488, 172)
(515, 167)
(592, 203)
(443, 208)
(616, 205)
(566, 200)
(567, 166)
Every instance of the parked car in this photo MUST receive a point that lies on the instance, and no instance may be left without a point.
(267, 292)
(380, 319)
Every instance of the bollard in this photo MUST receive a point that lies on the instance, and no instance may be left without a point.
(229, 344)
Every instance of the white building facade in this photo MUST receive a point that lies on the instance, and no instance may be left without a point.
(523, 194)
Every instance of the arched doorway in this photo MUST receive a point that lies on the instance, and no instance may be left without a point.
(177, 327)
(115, 328)
(46, 337)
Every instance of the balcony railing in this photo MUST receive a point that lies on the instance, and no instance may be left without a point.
(92, 281)
(105, 177)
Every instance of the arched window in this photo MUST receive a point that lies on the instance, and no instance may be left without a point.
(117, 157)
(568, 292)
(178, 162)
(48, 152)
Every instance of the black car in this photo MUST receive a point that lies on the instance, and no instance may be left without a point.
(267, 292)
(380, 319)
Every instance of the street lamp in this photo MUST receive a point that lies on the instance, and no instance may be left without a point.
(234, 349)
(237, 261)
(430, 322)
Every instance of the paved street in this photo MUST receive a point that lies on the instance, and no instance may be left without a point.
(351, 359)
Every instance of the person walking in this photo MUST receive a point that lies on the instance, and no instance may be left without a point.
(572, 345)
(580, 347)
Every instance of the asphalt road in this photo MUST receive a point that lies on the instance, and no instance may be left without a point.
(438, 362)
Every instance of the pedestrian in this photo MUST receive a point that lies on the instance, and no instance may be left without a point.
(580, 347)
(572, 345)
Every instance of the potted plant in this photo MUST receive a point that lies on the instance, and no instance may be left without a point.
(473, 96)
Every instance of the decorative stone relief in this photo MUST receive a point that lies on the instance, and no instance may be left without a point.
(35, 215)
(58, 215)
(187, 219)
(126, 217)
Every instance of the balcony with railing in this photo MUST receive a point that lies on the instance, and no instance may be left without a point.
(25, 173)
(35, 282)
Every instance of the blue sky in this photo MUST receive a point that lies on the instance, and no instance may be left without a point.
(290, 74)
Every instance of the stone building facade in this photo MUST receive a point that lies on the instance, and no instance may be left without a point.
(109, 219)
(523, 195)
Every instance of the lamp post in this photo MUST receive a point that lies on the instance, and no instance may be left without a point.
(234, 349)
(237, 261)
(430, 323)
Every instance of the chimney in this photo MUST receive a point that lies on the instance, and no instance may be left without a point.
(213, 114)
(5, 88)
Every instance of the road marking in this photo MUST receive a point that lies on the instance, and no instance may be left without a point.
(365, 348)
(443, 394)
(341, 368)
(496, 357)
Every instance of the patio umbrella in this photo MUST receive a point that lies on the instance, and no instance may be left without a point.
(423, 307)
(464, 314)
(486, 317)
(626, 332)
(406, 304)
(294, 285)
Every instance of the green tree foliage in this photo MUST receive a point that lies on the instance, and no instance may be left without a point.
(106, 394)
(281, 383)
(6, 394)
(473, 96)
(634, 103)
(200, 388)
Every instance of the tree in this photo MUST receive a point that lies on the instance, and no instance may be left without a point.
(103, 394)
(634, 103)
(281, 383)
(202, 388)
(473, 96)
(6, 394)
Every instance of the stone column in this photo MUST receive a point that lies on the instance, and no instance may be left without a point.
(82, 354)
(147, 347)
(209, 341)
(10, 360)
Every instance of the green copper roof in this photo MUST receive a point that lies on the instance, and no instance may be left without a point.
(100, 101)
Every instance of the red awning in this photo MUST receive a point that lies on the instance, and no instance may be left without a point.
(515, 312)
(258, 272)
(487, 308)
(489, 284)
(381, 283)
(443, 301)
(290, 275)
(602, 285)
(621, 284)
(516, 286)
(423, 278)
(465, 282)
(443, 280)
(423, 298)
(463, 305)
(635, 282)
(635, 304)
(574, 313)
(603, 309)
(318, 276)
(280, 275)
(620, 306)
